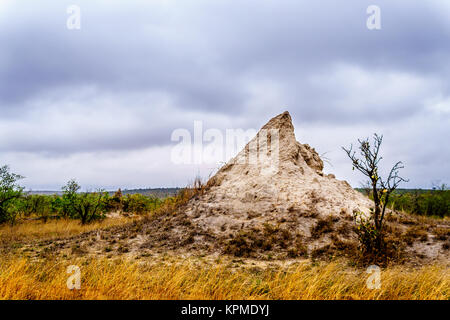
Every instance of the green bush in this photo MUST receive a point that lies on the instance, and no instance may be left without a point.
(114, 203)
(86, 207)
(369, 237)
(139, 204)
(421, 202)
(69, 200)
(40, 205)
(72, 204)
(89, 206)
(428, 203)
(10, 193)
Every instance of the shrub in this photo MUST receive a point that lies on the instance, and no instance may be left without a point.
(298, 250)
(86, 207)
(139, 204)
(322, 226)
(376, 246)
(40, 205)
(442, 233)
(371, 230)
(69, 199)
(368, 235)
(89, 206)
(116, 202)
(269, 237)
(428, 203)
(415, 233)
(239, 246)
(10, 192)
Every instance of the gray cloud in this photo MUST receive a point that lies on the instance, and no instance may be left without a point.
(137, 71)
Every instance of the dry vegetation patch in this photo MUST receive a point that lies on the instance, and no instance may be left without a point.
(197, 279)
(54, 229)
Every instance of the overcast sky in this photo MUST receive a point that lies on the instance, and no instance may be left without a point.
(99, 104)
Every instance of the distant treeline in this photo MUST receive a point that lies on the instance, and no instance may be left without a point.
(434, 202)
(70, 203)
(149, 192)
(86, 207)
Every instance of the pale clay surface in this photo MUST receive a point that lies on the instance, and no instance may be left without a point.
(246, 193)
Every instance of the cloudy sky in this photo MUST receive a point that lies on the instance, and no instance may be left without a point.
(99, 104)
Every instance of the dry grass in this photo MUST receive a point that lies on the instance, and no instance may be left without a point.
(190, 279)
(321, 227)
(194, 278)
(32, 230)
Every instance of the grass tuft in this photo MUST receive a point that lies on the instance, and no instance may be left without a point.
(189, 279)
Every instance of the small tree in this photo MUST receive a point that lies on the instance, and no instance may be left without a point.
(69, 199)
(88, 206)
(10, 191)
(381, 189)
(116, 202)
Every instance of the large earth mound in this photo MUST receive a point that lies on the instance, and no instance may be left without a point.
(272, 201)
(269, 181)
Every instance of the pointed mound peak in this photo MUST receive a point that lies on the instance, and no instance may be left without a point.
(274, 151)
(290, 149)
(281, 121)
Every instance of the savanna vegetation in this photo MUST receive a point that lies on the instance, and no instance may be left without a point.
(197, 278)
(378, 242)
(31, 220)
(370, 229)
(86, 207)
(431, 203)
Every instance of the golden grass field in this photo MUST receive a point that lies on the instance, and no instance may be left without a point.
(32, 230)
(196, 277)
(189, 279)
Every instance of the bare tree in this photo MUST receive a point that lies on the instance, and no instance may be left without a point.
(367, 163)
